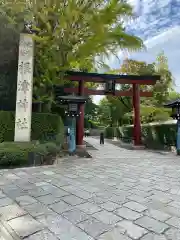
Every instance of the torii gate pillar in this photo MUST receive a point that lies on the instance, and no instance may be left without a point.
(80, 120)
(137, 120)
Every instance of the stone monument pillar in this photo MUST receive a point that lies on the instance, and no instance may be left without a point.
(24, 89)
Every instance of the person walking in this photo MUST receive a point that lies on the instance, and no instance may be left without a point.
(102, 138)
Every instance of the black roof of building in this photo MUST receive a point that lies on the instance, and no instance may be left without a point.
(73, 99)
(172, 103)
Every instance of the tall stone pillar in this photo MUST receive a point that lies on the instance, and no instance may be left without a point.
(24, 89)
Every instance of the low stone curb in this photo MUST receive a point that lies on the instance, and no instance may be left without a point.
(6, 231)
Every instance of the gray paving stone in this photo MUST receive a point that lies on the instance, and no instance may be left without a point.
(5, 201)
(172, 234)
(97, 200)
(152, 236)
(37, 209)
(132, 230)
(135, 206)
(48, 173)
(11, 176)
(109, 206)
(40, 184)
(60, 207)
(118, 199)
(152, 224)
(94, 227)
(88, 208)
(137, 198)
(116, 233)
(75, 216)
(175, 204)
(11, 211)
(128, 213)
(25, 225)
(158, 215)
(48, 199)
(57, 192)
(13, 192)
(26, 185)
(25, 200)
(174, 221)
(115, 176)
(173, 211)
(2, 195)
(72, 200)
(38, 192)
(82, 194)
(163, 199)
(106, 217)
(62, 228)
(50, 188)
(42, 235)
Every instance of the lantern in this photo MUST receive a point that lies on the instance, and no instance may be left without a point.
(110, 86)
(72, 112)
(72, 104)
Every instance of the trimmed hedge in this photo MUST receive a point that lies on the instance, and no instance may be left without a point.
(109, 132)
(154, 135)
(14, 154)
(45, 126)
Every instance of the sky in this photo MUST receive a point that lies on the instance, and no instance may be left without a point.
(158, 24)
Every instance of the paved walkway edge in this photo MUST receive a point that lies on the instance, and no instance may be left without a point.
(6, 232)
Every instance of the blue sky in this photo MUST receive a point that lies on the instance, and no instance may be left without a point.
(158, 24)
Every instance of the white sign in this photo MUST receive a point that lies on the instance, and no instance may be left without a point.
(24, 89)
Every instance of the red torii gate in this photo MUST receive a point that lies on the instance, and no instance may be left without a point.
(135, 92)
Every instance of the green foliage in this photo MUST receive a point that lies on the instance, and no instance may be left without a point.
(173, 95)
(104, 112)
(159, 67)
(45, 126)
(156, 136)
(14, 154)
(162, 87)
(70, 35)
(151, 114)
(111, 132)
(116, 111)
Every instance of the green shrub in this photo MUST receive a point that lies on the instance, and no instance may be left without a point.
(156, 136)
(13, 157)
(16, 154)
(111, 132)
(45, 126)
(51, 147)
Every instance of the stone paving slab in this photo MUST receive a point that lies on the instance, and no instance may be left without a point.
(116, 194)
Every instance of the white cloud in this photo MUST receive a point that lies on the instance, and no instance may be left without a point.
(158, 24)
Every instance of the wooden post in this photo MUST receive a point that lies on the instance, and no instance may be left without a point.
(80, 121)
(137, 120)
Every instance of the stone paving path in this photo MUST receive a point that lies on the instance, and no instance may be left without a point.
(119, 194)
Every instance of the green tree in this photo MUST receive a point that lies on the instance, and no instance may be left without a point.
(162, 88)
(104, 112)
(173, 95)
(70, 35)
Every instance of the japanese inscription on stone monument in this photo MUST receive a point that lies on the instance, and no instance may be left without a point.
(24, 89)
